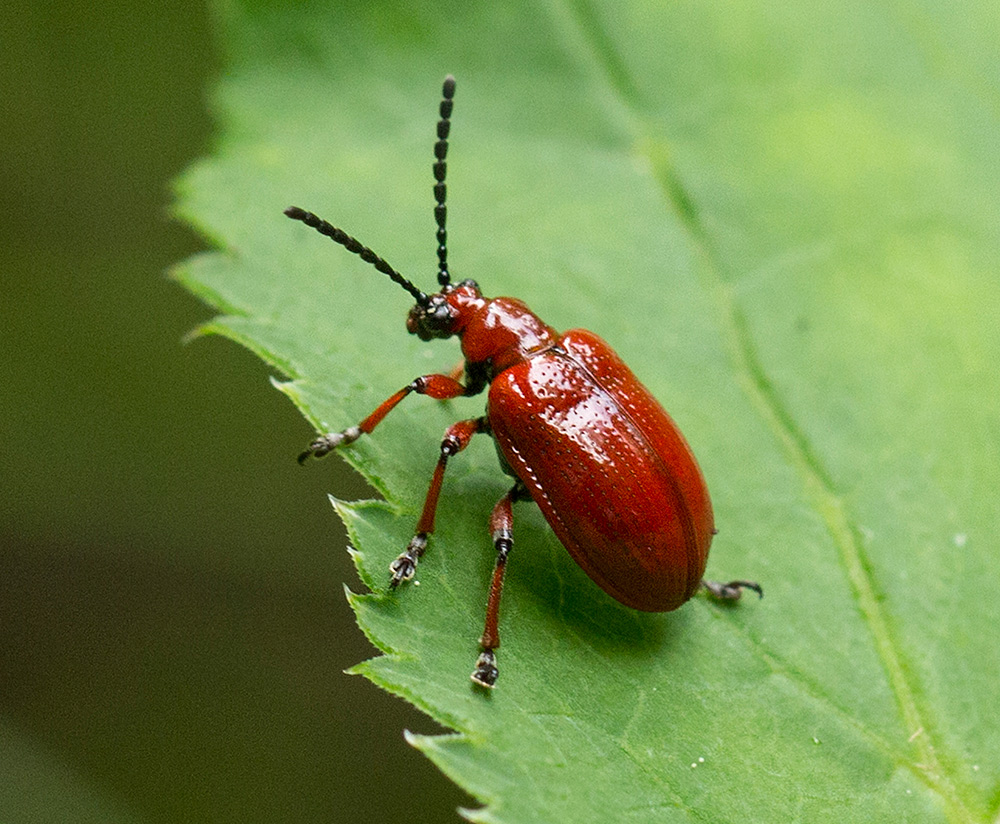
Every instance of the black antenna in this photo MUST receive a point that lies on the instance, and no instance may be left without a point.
(353, 245)
(440, 171)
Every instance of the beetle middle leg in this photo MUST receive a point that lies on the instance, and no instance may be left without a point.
(502, 530)
(456, 438)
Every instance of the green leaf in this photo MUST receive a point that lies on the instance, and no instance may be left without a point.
(784, 217)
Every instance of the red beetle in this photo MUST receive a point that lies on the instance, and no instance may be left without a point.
(581, 436)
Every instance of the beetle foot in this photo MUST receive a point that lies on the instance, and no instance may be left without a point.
(485, 674)
(732, 590)
(325, 444)
(405, 566)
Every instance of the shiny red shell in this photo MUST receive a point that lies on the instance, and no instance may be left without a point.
(611, 472)
(609, 469)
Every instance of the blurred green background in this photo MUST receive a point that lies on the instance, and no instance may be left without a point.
(172, 624)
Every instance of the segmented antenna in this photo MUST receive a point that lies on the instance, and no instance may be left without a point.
(440, 171)
(353, 245)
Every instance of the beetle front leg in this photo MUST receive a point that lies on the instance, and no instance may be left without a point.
(456, 438)
(440, 387)
(502, 529)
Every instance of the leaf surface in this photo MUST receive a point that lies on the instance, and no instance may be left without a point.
(784, 218)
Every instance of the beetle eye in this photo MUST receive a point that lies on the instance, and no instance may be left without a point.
(440, 315)
(435, 320)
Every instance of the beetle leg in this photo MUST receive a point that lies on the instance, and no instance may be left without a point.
(441, 387)
(456, 438)
(502, 529)
(456, 372)
(731, 591)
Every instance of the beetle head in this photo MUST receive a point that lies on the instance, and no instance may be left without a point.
(446, 313)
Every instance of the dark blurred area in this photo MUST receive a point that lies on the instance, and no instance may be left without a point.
(173, 628)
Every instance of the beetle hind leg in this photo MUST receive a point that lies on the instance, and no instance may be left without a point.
(732, 590)
(502, 530)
